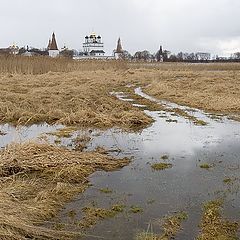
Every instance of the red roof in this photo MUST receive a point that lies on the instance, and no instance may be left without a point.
(53, 45)
(119, 46)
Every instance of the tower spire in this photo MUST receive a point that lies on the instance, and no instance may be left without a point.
(49, 44)
(119, 46)
(53, 45)
(161, 50)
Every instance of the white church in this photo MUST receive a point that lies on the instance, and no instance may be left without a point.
(93, 48)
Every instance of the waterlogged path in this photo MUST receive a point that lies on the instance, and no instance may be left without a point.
(184, 187)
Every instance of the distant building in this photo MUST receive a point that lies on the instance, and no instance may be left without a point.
(49, 44)
(160, 55)
(200, 56)
(11, 50)
(31, 52)
(28, 54)
(93, 46)
(5, 51)
(118, 53)
(14, 50)
(52, 47)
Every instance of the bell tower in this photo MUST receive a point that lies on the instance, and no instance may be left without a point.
(53, 48)
(119, 51)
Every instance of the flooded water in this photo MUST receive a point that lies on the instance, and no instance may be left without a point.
(21, 134)
(184, 187)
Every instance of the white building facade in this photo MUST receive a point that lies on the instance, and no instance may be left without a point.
(93, 46)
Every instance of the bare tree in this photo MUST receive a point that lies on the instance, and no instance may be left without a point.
(143, 55)
(236, 55)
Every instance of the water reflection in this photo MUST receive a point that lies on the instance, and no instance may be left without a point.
(184, 187)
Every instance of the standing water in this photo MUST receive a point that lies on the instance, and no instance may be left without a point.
(184, 187)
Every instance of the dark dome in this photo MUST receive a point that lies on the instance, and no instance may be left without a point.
(86, 37)
(99, 37)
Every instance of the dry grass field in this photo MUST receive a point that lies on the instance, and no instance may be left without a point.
(77, 92)
(213, 91)
(212, 87)
(76, 98)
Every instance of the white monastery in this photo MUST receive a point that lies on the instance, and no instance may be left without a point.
(93, 46)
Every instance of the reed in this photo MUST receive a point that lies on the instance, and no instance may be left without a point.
(41, 65)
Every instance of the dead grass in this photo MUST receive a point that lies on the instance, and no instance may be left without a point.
(171, 225)
(92, 215)
(41, 65)
(213, 91)
(36, 180)
(191, 118)
(76, 98)
(77, 92)
(149, 236)
(214, 226)
(81, 142)
(65, 132)
(186, 66)
(81, 97)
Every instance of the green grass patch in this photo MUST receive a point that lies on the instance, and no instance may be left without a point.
(161, 166)
(105, 190)
(227, 180)
(205, 166)
(136, 209)
(92, 215)
(200, 122)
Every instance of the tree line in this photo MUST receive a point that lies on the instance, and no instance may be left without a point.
(167, 56)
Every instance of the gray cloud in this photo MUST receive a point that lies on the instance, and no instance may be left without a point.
(180, 25)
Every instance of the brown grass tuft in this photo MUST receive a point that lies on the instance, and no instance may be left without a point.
(37, 179)
(213, 226)
(92, 215)
(171, 226)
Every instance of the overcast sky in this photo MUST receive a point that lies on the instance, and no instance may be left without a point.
(179, 25)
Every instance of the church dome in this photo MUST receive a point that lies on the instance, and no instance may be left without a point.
(99, 37)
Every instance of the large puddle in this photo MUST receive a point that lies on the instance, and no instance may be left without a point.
(184, 187)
